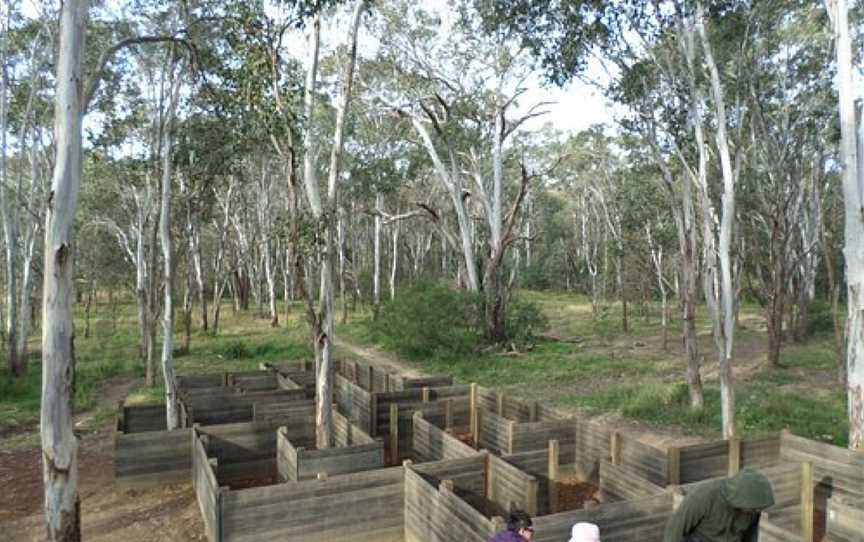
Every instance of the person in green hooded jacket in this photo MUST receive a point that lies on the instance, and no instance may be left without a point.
(725, 510)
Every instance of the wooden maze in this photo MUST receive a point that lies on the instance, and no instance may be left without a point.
(425, 460)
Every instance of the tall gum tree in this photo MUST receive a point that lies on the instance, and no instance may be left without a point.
(851, 151)
(324, 214)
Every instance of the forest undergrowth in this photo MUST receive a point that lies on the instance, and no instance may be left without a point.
(577, 361)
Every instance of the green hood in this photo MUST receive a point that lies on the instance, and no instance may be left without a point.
(748, 490)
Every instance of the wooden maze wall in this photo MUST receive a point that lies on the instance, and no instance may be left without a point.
(263, 479)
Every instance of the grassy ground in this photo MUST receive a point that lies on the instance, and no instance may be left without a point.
(595, 366)
(108, 360)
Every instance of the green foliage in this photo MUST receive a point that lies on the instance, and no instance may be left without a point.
(523, 320)
(428, 318)
(235, 350)
(819, 318)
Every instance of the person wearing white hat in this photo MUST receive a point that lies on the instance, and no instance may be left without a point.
(585, 532)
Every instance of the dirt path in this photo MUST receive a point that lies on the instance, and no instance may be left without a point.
(108, 513)
(377, 357)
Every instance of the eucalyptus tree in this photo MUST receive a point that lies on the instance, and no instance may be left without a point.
(852, 156)
(323, 212)
(459, 89)
(24, 114)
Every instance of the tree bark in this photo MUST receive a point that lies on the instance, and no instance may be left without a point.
(376, 265)
(59, 443)
(323, 324)
(171, 409)
(10, 226)
(852, 155)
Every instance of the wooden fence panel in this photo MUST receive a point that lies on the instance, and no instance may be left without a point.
(206, 488)
(592, 446)
(495, 432)
(355, 403)
(647, 461)
(845, 520)
(838, 472)
(536, 436)
(468, 474)
(370, 507)
(642, 520)
(621, 483)
(506, 485)
(434, 513)
(152, 458)
(143, 418)
(431, 443)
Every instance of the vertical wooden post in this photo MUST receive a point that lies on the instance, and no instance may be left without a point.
(553, 476)
(121, 416)
(425, 394)
(490, 476)
(807, 502)
(394, 433)
(448, 415)
(475, 435)
(472, 412)
(387, 382)
(532, 411)
(615, 447)
(225, 379)
(354, 372)
(373, 415)
(673, 463)
(734, 455)
(511, 428)
(371, 372)
(532, 497)
(500, 403)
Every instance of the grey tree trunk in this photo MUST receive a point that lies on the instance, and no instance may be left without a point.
(59, 443)
(10, 226)
(376, 265)
(323, 327)
(171, 409)
(852, 155)
(728, 295)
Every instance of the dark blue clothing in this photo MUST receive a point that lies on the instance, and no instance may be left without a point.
(507, 536)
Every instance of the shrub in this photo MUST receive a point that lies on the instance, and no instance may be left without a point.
(428, 318)
(523, 320)
(235, 350)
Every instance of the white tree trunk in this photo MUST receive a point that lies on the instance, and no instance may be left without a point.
(376, 265)
(10, 226)
(59, 443)
(852, 155)
(394, 262)
(325, 334)
(728, 295)
(171, 409)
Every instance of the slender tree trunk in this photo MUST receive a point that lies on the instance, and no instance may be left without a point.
(852, 156)
(394, 262)
(88, 305)
(10, 226)
(323, 324)
(727, 298)
(59, 443)
(171, 409)
(376, 265)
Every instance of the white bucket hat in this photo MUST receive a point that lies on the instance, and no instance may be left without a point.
(585, 532)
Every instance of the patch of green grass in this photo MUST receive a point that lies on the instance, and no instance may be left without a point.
(817, 354)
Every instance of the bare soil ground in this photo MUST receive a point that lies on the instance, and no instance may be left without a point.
(108, 513)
